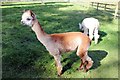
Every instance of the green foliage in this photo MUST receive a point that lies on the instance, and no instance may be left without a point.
(23, 56)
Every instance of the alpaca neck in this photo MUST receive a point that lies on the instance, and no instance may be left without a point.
(41, 35)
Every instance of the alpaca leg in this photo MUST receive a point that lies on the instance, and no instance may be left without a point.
(96, 36)
(58, 64)
(86, 61)
(81, 54)
(81, 65)
(91, 34)
(85, 30)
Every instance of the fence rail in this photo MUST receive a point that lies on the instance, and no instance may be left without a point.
(112, 7)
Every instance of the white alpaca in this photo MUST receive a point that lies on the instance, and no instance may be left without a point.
(90, 25)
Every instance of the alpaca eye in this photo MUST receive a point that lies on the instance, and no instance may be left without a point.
(28, 19)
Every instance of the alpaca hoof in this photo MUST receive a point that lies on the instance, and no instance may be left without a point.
(96, 42)
(59, 75)
(79, 69)
(59, 69)
(86, 70)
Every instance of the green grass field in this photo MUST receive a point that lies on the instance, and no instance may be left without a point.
(23, 56)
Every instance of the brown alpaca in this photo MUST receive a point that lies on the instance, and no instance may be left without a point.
(60, 42)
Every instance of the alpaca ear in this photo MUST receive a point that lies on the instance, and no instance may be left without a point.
(80, 26)
(23, 11)
(32, 14)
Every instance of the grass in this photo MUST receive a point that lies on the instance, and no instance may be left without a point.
(23, 56)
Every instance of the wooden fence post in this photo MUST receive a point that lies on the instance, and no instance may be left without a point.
(42, 1)
(97, 5)
(116, 11)
(92, 4)
(105, 6)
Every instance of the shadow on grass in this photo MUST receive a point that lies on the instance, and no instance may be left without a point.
(31, 3)
(19, 44)
(72, 58)
(102, 34)
(96, 55)
(12, 4)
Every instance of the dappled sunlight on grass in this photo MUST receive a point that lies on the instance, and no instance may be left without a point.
(18, 4)
(76, 7)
